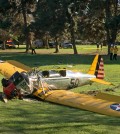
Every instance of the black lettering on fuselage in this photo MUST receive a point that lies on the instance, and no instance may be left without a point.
(74, 82)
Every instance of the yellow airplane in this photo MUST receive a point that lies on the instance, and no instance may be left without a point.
(62, 78)
(42, 83)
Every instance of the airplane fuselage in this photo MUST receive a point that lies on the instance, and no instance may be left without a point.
(69, 81)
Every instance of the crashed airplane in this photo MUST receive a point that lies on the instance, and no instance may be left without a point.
(52, 85)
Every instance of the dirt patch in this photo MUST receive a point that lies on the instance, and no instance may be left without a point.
(95, 92)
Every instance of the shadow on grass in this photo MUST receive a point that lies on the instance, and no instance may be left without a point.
(54, 59)
(25, 117)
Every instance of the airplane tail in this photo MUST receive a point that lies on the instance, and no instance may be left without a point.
(97, 67)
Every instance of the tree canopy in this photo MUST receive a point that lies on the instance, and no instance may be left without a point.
(91, 20)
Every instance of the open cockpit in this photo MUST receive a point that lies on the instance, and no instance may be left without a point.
(53, 73)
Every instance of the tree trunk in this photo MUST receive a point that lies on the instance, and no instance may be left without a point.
(111, 31)
(56, 45)
(107, 11)
(25, 26)
(4, 45)
(47, 42)
(73, 42)
(73, 36)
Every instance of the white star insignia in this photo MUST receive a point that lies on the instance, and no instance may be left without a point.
(118, 107)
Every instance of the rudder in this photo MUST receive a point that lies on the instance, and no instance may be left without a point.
(100, 69)
(97, 67)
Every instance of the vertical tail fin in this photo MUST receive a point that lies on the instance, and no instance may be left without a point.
(100, 69)
(97, 67)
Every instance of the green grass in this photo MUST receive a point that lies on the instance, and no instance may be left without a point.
(20, 117)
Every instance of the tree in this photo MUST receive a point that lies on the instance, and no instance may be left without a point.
(101, 21)
(24, 7)
(49, 18)
(56, 16)
(91, 22)
(112, 23)
(5, 21)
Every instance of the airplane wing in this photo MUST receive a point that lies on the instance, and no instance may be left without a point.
(101, 81)
(19, 65)
(108, 97)
(97, 104)
(8, 68)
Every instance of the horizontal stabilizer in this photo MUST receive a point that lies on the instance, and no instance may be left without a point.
(101, 81)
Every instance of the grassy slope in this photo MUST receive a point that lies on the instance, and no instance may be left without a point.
(20, 117)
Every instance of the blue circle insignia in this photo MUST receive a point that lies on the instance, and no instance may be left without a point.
(115, 107)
